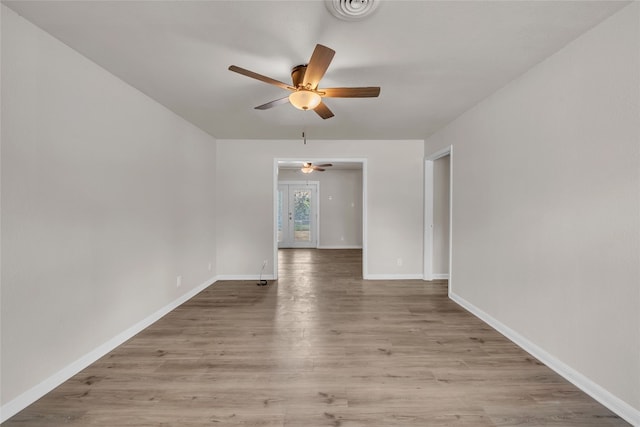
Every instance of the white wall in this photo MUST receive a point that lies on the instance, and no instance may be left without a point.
(441, 217)
(340, 218)
(245, 177)
(106, 198)
(546, 209)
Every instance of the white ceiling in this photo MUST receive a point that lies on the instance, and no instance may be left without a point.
(432, 59)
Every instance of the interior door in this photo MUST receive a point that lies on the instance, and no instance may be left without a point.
(297, 215)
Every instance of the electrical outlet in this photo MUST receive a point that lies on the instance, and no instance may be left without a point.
(399, 262)
(178, 281)
(264, 263)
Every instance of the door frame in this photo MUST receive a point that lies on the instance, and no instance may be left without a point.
(316, 202)
(429, 193)
(276, 162)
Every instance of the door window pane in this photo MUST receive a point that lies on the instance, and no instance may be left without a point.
(302, 215)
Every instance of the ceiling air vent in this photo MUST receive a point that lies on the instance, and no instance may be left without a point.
(351, 10)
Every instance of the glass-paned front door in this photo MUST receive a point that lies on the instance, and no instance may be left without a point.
(296, 222)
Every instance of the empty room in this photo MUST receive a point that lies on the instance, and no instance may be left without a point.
(320, 213)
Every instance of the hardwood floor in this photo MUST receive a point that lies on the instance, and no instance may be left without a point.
(319, 347)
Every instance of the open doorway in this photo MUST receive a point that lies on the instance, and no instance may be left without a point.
(438, 216)
(441, 226)
(339, 217)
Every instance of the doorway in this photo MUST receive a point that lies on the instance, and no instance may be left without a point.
(286, 167)
(297, 215)
(438, 227)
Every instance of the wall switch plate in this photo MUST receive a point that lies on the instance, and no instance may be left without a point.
(209, 266)
(179, 281)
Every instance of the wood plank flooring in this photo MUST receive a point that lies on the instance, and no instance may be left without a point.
(319, 347)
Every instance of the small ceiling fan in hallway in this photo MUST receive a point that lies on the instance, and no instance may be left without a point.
(309, 167)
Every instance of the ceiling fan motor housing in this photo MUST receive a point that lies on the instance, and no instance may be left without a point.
(297, 75)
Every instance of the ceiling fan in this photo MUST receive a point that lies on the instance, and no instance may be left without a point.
(305, 94)
(309, 167)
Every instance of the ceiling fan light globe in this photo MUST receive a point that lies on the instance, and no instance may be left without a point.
(304, 99)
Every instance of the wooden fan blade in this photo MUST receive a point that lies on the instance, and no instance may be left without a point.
(326, 165)
(323, 111)
(315, 168)
(318, 64)
(351, 92)
(260, 77)
(273, 103)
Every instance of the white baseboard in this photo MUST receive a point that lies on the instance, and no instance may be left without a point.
(245, 277)
(340, 247)
(28, 397)
(440, 276)
(393, 277)
(606, 398)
